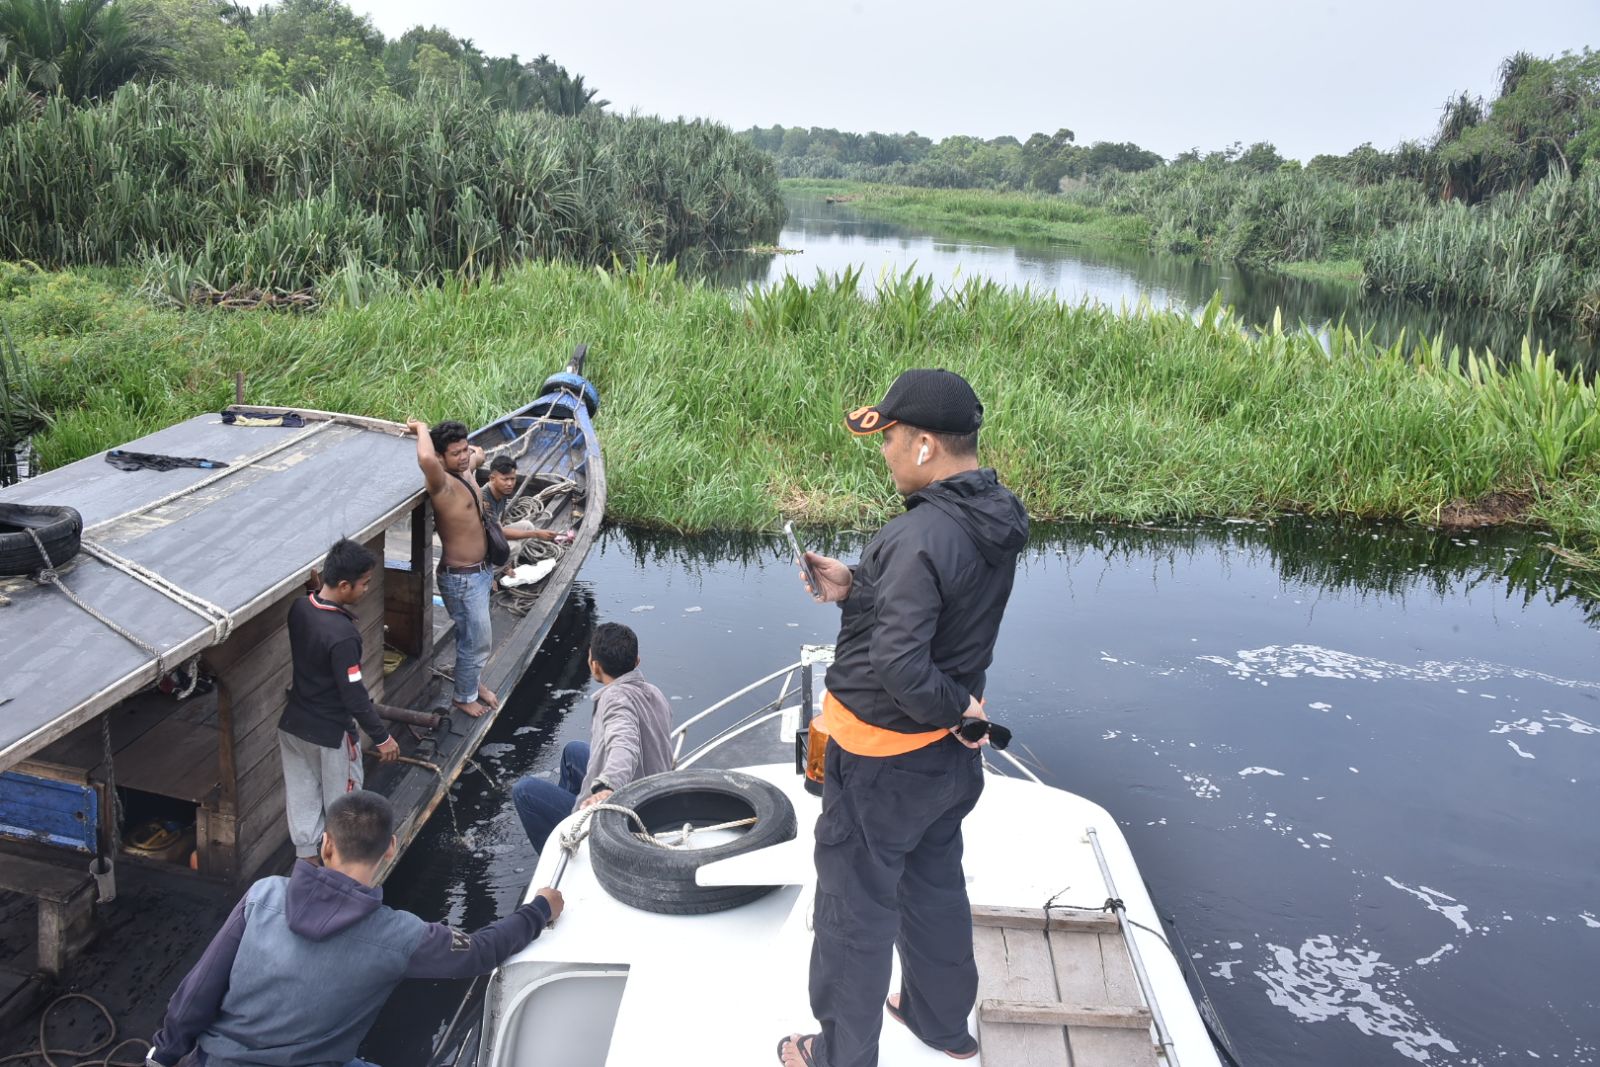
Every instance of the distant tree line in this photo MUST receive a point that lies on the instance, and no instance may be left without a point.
(1039, 163)
(85, 49)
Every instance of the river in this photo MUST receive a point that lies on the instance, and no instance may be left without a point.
(831, 237)
(1357, 764)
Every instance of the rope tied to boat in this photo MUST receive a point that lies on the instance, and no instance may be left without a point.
(220, 619)
(47, 576)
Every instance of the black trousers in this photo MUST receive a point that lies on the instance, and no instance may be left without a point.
(889, 878)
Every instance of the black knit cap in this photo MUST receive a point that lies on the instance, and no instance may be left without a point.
(937, 400)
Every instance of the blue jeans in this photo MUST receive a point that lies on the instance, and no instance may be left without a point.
(541, 804)
(466, 598)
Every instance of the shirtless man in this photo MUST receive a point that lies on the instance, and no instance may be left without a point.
(465, 576)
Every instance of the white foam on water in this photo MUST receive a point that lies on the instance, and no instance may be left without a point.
(1446, 947)
(1455, 911)
(643, 607)
(1201, 786)
(692, 610)
(1589, 920)
(1110, 735)
(1300, 660)
(1518, 750)
(1546, 722)
(1320, 706)
(1321, 981)
(1106, 657)
(1260, 770)
(1224, 969)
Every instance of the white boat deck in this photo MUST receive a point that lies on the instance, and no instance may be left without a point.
(723, 988)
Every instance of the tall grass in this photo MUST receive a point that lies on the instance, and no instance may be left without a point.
(990, 214)
(1233, 213)
(724, 412)
(348, 190)
(1534, 253)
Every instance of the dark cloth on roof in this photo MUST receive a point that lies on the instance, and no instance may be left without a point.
(146, 461)
(327, 697)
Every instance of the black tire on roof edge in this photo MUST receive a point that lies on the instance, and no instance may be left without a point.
(652, 878)
(59, 528)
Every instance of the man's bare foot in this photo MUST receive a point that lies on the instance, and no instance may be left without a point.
(486, 696)
(471, 707)
(795, 1050)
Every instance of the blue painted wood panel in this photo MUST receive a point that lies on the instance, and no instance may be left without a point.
(44, 809)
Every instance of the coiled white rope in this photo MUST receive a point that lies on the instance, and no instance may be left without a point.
(573, 837)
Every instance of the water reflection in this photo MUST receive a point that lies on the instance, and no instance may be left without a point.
(1352, 761)
(831, 237)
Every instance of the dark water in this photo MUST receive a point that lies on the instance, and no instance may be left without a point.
(1360, 766)
(832, 237)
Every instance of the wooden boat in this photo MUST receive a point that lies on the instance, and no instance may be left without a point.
(141, 686)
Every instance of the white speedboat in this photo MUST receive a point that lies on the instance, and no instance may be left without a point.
(686, 937)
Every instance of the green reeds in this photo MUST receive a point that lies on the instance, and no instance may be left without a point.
(723, 412)
(246, 188)
(1535, 253)
(21, 412)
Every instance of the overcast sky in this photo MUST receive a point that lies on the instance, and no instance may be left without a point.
(1311, 76)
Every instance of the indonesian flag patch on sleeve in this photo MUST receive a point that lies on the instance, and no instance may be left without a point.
(354, 673)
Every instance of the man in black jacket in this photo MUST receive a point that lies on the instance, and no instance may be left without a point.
(327, 698)
(920, 615)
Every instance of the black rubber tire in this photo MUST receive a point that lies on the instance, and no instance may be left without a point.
(60, 528)
(652, 878)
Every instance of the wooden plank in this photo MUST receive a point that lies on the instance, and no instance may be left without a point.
(1036, 919)
(1062, 1014)
(393, 429)
(1100, 1046)
(47, 881)
(64, 813)
(176, 759)
(216, 839)
(1015, 965)
(262, 830)
(1122, 985)
(1079, 972)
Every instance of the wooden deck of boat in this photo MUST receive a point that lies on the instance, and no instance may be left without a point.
(1058, 989)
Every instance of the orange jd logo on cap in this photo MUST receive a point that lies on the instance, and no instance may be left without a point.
(867, 420)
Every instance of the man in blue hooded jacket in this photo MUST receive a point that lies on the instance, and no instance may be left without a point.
(303, 965)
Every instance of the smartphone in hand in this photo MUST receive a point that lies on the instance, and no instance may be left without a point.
(800, 558)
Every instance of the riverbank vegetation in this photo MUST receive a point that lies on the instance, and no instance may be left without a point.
(347, 192)
(722, 412)
(981, 213)
(1498, 208)
(85, 49)
(1039, 164)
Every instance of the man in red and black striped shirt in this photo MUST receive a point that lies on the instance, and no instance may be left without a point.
(328, 697)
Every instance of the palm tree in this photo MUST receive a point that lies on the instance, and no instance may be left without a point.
(560, 92)
(80, 48)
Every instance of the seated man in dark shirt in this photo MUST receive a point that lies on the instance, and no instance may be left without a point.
(497, 494)
(317, 734)
(301, 968)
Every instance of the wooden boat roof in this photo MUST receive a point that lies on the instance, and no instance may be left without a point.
(239, 537)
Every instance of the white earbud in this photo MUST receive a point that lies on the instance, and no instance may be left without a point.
(922, 457)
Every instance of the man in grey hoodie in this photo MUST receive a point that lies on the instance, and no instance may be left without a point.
(628, 739)
(299, 971)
